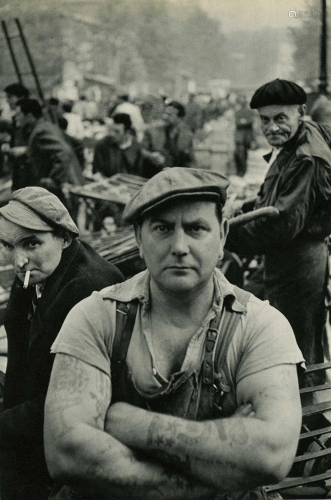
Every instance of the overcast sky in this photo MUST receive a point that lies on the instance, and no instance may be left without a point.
(246, 14)
(234, 14)
(256, 14)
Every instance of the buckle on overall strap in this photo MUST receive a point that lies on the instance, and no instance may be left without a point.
(207, 367)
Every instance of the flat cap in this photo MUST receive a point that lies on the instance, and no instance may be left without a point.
(176, 182)
(278, 91)
(36, 208)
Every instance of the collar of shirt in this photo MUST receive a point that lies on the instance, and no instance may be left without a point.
(39, 289)
(138, 288)
(274, 153)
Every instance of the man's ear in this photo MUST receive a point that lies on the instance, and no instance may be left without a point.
(224, 232)
(67, 239)
(137, 233)
(302, 110)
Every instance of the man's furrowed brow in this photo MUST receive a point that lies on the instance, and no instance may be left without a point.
(24, 239)
(159, 218)
(199, 221)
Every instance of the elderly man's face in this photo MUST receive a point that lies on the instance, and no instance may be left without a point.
(181, 245)
(280, 123)
(28, 250)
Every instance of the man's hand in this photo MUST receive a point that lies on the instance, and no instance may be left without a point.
(158, 159)
(47, 183)
(18, 151)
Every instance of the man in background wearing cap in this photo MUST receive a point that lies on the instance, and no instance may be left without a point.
(41, 239)
(122, 399)
(298, 184)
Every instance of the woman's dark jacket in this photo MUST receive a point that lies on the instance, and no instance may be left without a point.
(80, 272)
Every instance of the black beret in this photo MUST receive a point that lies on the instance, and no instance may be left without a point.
(278, 91)
(176, 182)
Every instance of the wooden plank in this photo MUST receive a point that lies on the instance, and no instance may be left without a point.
(292, 482)
(318, 432)
(312, 455)
(320, 366)
(317, 408)
(316, 388)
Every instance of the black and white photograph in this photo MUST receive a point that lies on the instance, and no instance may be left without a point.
(165, 239)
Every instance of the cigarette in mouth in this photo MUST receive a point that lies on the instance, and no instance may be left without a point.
(26, 279)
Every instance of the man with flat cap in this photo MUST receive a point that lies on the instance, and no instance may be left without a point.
(298, 184)
(54, 271)
(175, 383)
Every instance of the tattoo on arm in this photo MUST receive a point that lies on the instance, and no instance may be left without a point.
(70, 388)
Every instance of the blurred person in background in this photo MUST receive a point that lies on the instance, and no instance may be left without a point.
(49, 156)
(5, 138)
(193, 114)
(119, 151)
(75, 125)
(54, 108)
(169, 144)
(14, 92)
(77, 145)
(244, 119)
(39, 236)
(127, 107)
(321, 110)
(19, 137)
(86, 109)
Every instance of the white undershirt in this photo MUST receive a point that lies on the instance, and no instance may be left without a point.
(274, 153)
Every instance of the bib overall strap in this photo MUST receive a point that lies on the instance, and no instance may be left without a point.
(125, 318)
(218, 339)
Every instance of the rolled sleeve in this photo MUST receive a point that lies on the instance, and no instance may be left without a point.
(88, 331)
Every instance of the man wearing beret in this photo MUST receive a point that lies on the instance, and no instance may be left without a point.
(298, 184)
(54, 271)
(173, 384)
